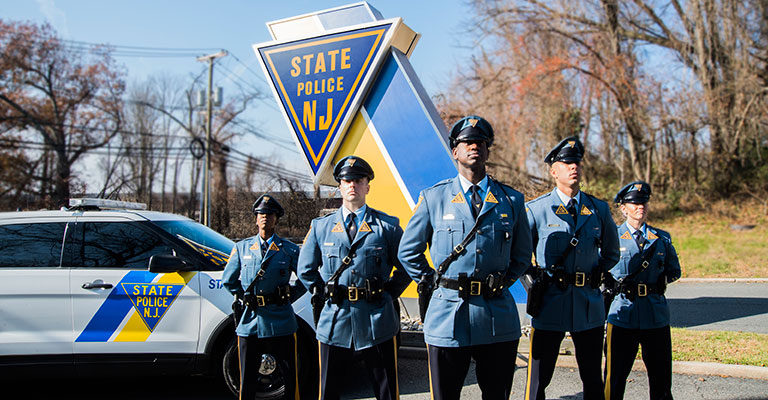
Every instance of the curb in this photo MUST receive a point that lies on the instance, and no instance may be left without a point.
(566, 359)
(721, 280)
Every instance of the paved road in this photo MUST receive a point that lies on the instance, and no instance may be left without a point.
(413, 386)
(732, 306)
(719, 305)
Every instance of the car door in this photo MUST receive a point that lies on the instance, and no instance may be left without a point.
(35, 311)
(122, 312)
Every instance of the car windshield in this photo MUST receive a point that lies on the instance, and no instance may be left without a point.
(210, 243)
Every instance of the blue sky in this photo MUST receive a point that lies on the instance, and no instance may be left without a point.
(235, 25)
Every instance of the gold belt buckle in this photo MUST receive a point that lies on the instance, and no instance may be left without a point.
(260, 301)
(474, 288)
(580, 279)
(642, 290)
(352, 291)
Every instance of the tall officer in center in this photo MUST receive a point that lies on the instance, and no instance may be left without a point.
(575, 243)
(258, 274)
(479, 241)
(346, 261)
(639, 314)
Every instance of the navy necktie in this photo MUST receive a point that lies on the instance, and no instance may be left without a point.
(572, 209)
(351, 227)
(477, 202)
(640, 239)
(263, 249)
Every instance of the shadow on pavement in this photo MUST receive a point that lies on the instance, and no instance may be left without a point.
(706, 310)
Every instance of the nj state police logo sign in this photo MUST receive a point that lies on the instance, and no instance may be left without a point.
(319, 82)
(151, 300)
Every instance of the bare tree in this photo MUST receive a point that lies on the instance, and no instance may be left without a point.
(69, 98)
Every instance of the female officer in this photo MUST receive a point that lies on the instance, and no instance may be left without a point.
(639, 314)
(258, 273)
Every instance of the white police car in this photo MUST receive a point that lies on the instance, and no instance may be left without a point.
(104, 287)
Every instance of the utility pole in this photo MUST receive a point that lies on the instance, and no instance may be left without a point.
(205, 207)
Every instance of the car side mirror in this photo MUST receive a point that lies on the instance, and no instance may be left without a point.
(162, 263)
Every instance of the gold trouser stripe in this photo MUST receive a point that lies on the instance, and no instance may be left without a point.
(320, 369)
(608, 363)
(397, 382)
(429, 369)
(296, 366)
(240, 368)
(530, 361)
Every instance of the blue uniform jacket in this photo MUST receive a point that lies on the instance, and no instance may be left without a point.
(650, 311)
(576, 308)
(502, 244)
(360, 324)
(278, 263)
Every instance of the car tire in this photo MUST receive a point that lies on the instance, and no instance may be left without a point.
(274, 388)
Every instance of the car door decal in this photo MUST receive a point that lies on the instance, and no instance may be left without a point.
(119, 303)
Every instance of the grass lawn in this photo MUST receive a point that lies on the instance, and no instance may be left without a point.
(709, 246)
(740, 348)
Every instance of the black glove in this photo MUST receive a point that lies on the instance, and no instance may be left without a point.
(318, 302)
(424, 288)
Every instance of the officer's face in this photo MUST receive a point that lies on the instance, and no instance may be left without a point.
(635, 212)
(472, 153)
(567, 174)
(266, 222)
(354, 191)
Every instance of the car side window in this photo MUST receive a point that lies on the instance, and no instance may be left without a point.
(31, 245)
(120, 245)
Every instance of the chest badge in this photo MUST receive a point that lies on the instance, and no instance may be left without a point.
(459, 199)
(364, 227)
(561, 210)
(338, 228)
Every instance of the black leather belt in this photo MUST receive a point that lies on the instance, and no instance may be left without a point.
(353, 293)
(579, 279)
(640, 289)
(281, 297)
(491, 286)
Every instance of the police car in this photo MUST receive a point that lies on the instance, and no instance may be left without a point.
(105, 287)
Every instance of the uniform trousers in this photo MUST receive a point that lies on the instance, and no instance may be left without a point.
(544, 349)
(380, 362)
(622, 346)
(283, 348)
(494, 369)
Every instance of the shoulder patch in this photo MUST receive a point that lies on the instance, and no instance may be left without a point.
(364, 227)
(561, 210)
(626, 235)
(338, 228)
(490, 198)
(418, 203)
(233, 252)
(459, 199)
(308, 232)
(585, 210)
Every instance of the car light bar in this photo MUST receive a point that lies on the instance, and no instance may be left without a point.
(105, 203)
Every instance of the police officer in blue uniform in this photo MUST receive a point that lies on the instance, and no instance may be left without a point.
(258, 274)
(639, 314)
(575, 243)
(471, 314)
(347, 258)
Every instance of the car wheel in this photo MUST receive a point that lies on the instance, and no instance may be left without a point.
(273, 386)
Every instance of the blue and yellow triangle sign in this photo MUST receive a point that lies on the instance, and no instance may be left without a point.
(317, 82)
(152, 300)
